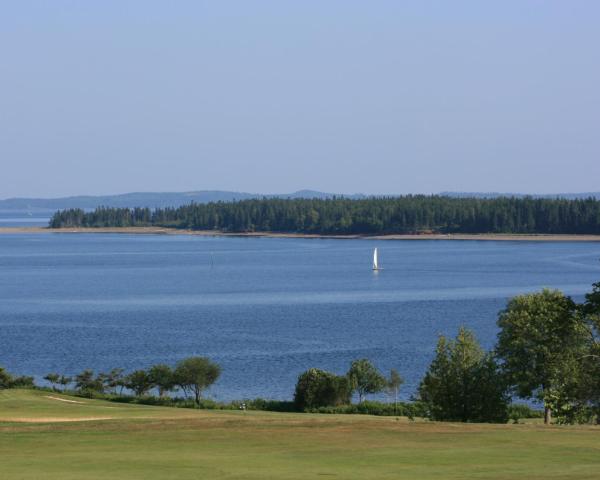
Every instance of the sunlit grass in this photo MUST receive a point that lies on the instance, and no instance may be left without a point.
(42, 437)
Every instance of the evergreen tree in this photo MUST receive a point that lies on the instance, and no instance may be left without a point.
(463, 383)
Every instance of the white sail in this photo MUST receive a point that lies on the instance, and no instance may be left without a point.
(375, 262)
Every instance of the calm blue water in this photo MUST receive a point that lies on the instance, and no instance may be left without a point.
(265, 309)
(23, 219)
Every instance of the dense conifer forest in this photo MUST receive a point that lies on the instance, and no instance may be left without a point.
(405, 214)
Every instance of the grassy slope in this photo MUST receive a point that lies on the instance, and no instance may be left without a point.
(140, 442)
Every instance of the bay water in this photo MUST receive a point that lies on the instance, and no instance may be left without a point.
(265, 309)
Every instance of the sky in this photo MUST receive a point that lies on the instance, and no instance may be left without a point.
(379, 97)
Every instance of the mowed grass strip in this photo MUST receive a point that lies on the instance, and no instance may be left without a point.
(140, 442)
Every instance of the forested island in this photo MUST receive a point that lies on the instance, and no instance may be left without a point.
(372, 216)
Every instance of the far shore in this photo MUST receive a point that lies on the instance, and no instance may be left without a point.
(216, 233)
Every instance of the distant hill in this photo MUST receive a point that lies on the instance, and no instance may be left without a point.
(176, 199)
(568, 196)
(147, 199)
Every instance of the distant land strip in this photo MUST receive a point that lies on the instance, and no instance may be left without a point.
(217, 233)
(342, 217)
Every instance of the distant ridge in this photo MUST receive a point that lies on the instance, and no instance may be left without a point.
(176, 199)
(568, 196)
(148, 199)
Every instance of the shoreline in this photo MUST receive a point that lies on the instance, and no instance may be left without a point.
(212, 233)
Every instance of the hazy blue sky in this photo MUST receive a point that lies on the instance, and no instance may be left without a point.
(274, 96)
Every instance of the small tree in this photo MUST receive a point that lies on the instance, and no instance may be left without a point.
(195, 374)
(139, 382)
(64, 381)
(463, 383)
(5, 379)
(87, 384)
(53, 378)
(541, 342)
(393, 386)
(317, 388)
(113, 379)
(162, 378)
(364, 378)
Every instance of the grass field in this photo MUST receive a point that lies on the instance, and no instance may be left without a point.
(44, 437)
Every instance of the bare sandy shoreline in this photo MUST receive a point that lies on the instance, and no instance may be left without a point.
(174, 231)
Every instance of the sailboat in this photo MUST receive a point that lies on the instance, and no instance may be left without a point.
(375, 261)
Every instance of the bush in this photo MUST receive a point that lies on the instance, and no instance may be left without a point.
(318, 388)
(5, 378)
(402, 409)
(8, 381)
(22, 382)
(517, 411)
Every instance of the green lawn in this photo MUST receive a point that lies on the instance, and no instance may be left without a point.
(45, 438)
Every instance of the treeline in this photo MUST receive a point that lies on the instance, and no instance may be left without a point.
(191, 376)
(548, 350)
(405, 214)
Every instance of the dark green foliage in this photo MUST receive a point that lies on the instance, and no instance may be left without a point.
(266, 405)
(517, 411)
(113, 379)
(364, 378)
(53, 378)
(5, 379)
(541, 342)
(318, 388)
(195, 374)
(404, 214)
(588, 391)
(368, 407)
(162, 377)
(102, 217)
(463, 383)
(405, 409)
(139, 381)
(9, 381)
(22, 381)
(88, 384)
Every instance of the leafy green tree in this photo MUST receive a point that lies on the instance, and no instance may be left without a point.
(53, 378)
(463, 383)
(589, 373)
(195, 374)
(541, 342)
(88, 384)
(163, 378)
(393, 385)
(113, 379)
(364, 378)
(9, 381)
(591, 306)
(318, 388)
(139, 381)
(22, 381)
